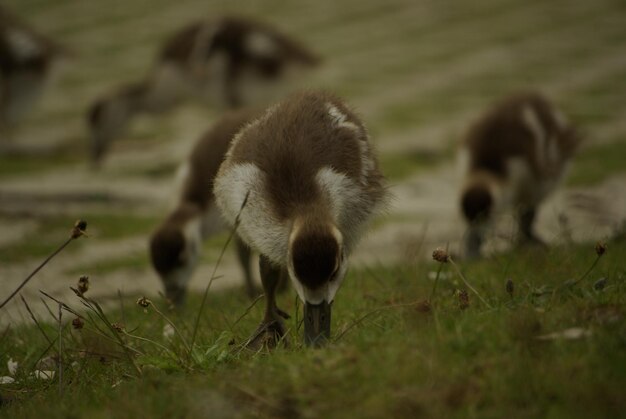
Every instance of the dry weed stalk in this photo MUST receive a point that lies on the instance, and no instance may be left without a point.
(115, 331)
(60, 350)
(374, 311)
(600, 249)
(442, 256)
(213, 277)
(77, 231)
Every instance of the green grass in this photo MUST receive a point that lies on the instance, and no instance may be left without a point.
(13, 166)
(158, 171)
(139, 261)
(112, 226)
(397, 357)
(399, 166)
(392, 355)
(596, 163)
(128, 263)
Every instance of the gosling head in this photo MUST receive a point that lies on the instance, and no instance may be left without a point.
(317, 266)
(109, 116)
(174, 253)
(478, 201)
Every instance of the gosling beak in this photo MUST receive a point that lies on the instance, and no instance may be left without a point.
(177, 295)
(473, 243)
(316, 324)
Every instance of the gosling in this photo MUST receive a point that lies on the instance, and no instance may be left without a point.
(303, 182)
(27, 59)
(176, 245)
(231, 61)
(516, 155)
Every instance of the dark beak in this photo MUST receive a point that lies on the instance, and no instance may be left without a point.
(473, 243)
(316, 324)
(176, 295)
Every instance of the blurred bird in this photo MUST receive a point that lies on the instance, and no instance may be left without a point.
(26, 62)
(310, 182)
(176, 245)
(233, 60)
(515, 155)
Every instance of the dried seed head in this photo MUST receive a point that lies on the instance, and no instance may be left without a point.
(118, 326)
(423, 306)
(78, 323)
(510, 287)
(464, 301)
(601, 248)
(144, 302)
(79, 229)
(83, 284)
(600, 284)
(440, 255)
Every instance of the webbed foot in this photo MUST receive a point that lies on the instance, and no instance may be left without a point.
(270, 333)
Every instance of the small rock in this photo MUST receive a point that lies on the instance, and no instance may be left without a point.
(7, 380)
(12, 366)
(44, 375)
(573, 333)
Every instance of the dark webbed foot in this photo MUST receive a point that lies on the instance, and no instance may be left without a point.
(270, 333)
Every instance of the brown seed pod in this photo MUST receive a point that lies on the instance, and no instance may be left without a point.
(118, 326)
(83, 284)
(80, 226)
(601, 248)
(78, 323)
(510, 287)
(464, 301)
(440, 255)
(144, 302)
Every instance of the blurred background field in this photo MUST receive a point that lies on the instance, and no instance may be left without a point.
(418, 72)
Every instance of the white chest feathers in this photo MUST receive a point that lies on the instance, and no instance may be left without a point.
(260, 227)
(257, 224)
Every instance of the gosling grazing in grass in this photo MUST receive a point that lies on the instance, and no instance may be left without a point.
(234, 60)
(176, 245)
(516, 155)
(310, 182)
(26, 61)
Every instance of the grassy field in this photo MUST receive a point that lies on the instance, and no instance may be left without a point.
(410, 338)
(407, 342)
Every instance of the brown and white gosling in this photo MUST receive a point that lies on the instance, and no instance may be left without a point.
(235, 60)
(516, 155)
(176, 245)
(26, 61)
(312, 183)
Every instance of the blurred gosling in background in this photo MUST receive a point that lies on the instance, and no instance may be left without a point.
(230, 61)
(515, 156)
(27, 59)
(176, 245)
